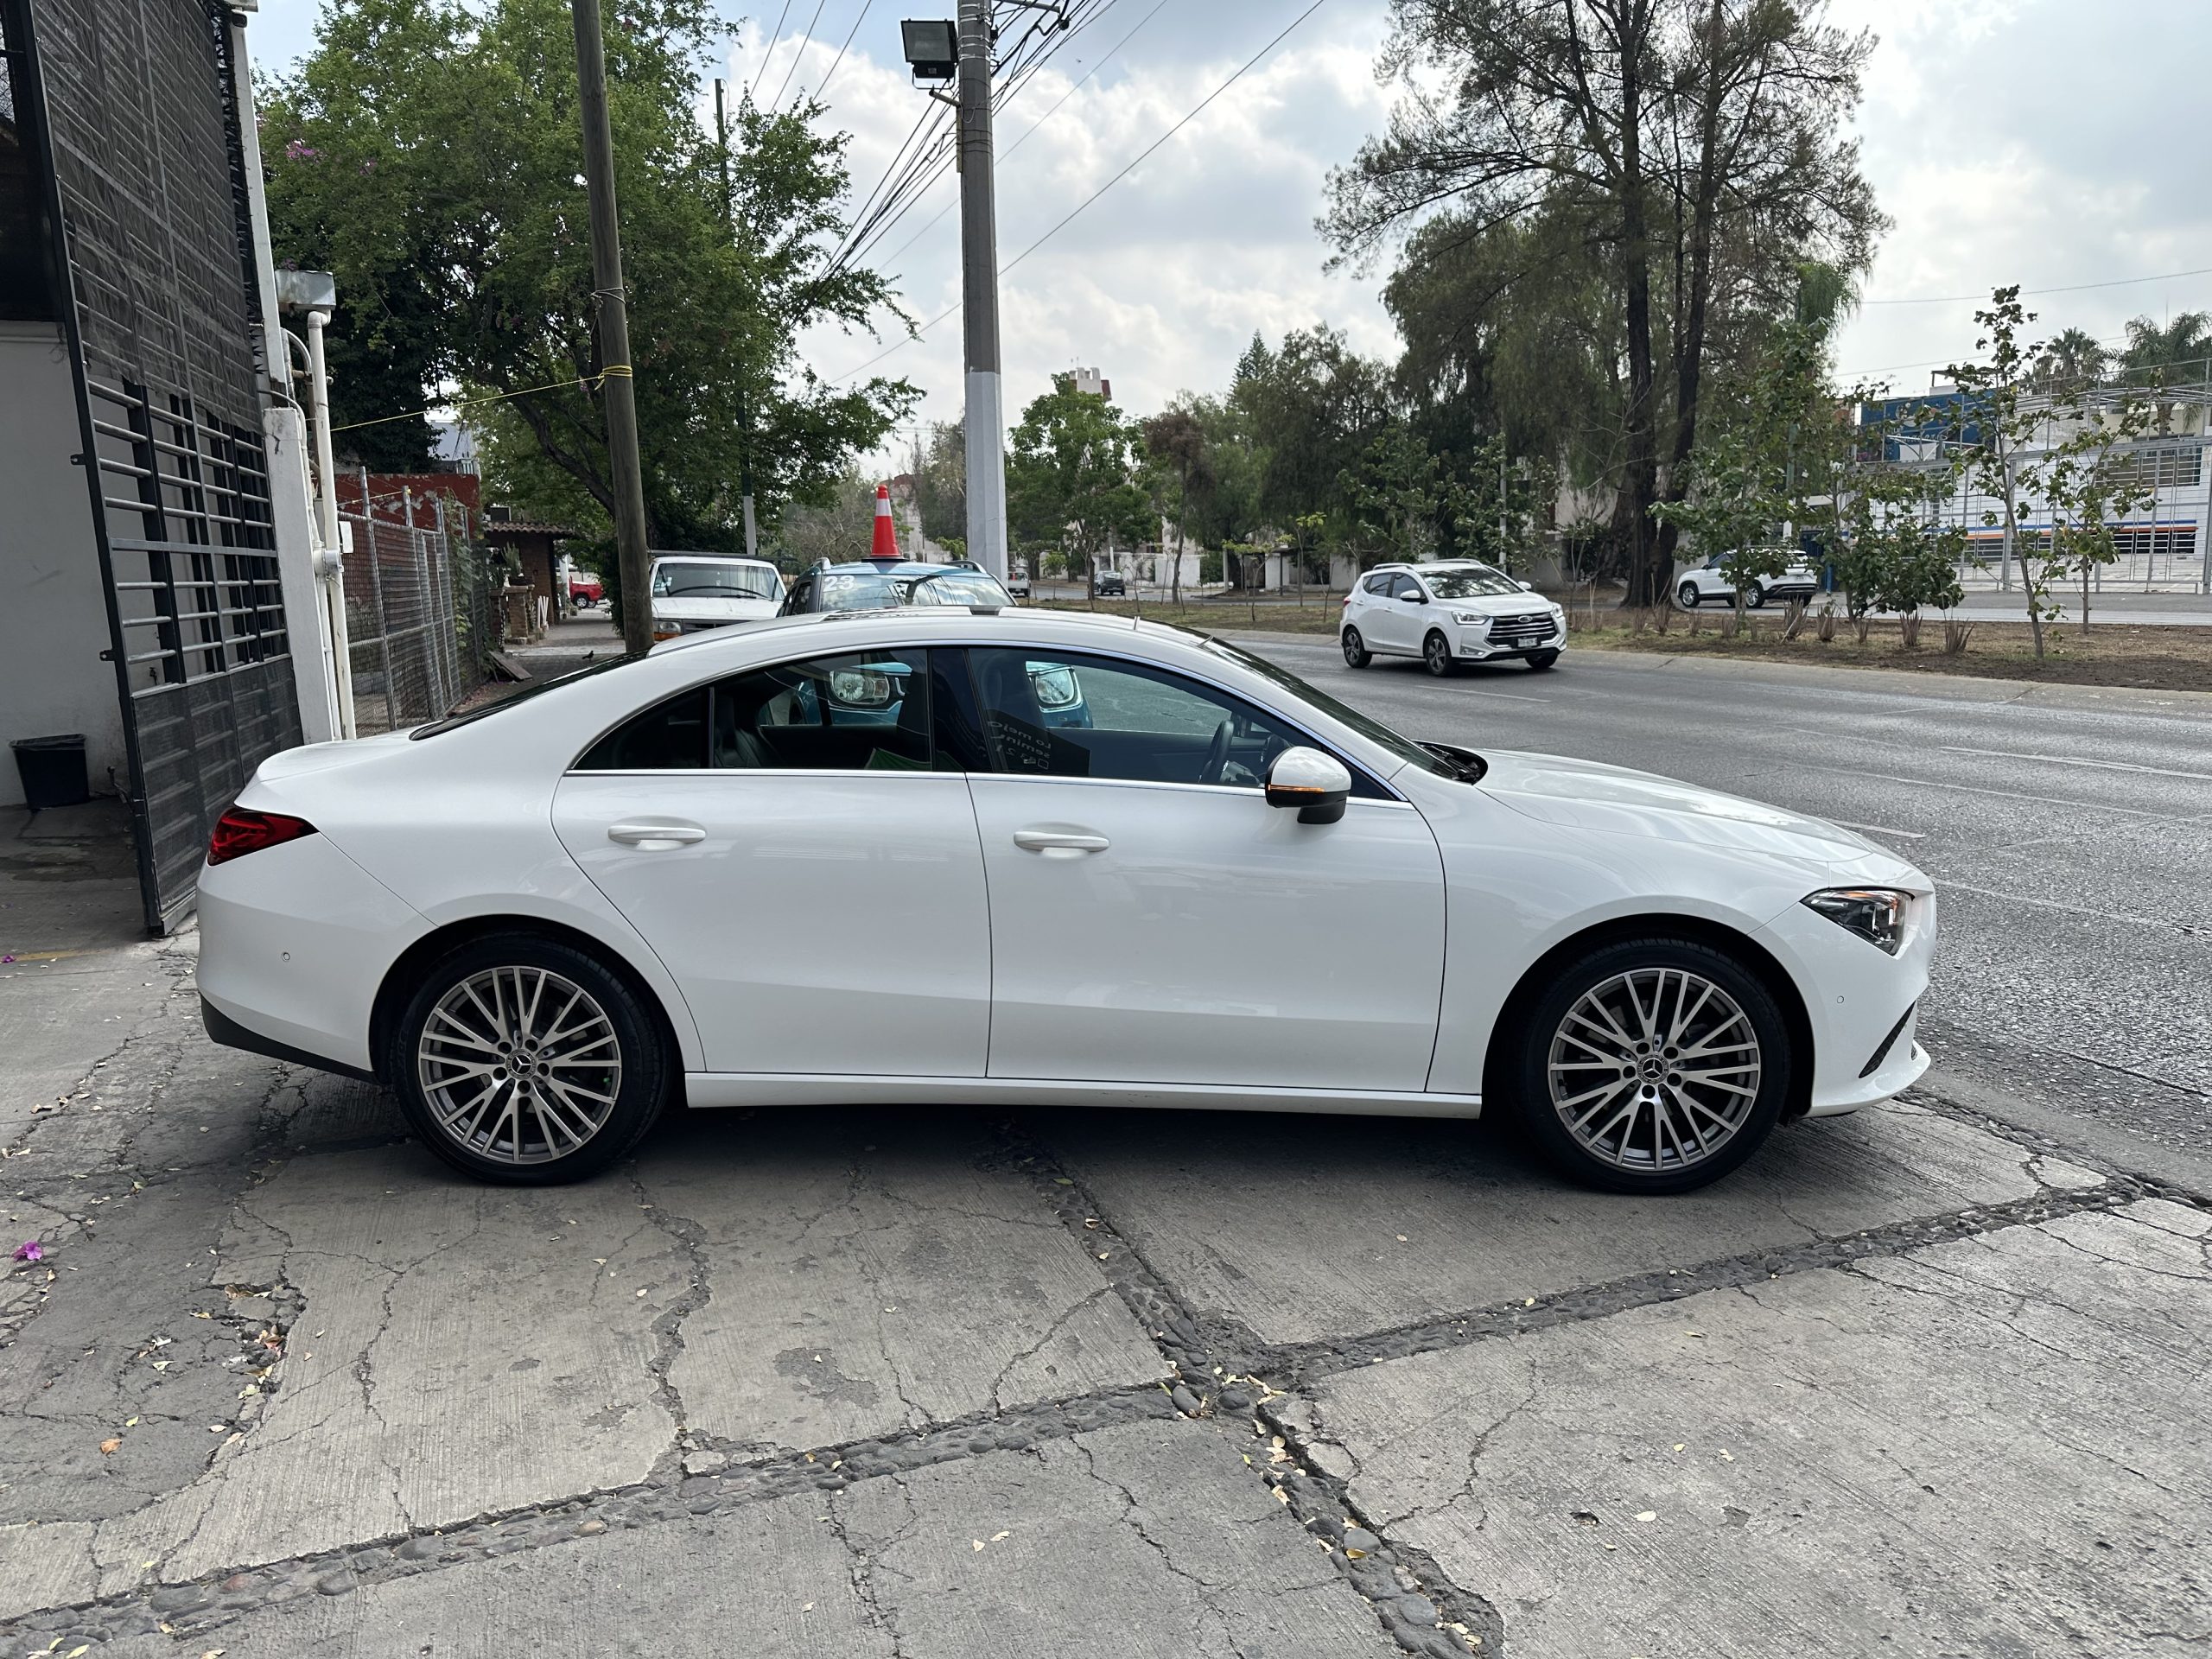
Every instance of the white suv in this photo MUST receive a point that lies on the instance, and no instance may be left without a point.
(1713, 583)
(1454, 611)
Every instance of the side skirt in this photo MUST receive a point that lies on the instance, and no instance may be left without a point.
(710, 1089)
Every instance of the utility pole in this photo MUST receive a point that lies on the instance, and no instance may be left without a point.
(979, 287)
(744, 409)
(612, 314)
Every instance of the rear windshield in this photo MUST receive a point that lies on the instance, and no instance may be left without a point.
(524, 693)
(952, 587)
(681, 578)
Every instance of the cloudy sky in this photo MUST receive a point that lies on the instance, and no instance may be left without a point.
(2050, 142)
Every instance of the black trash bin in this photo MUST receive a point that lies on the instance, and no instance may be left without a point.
(52, 770)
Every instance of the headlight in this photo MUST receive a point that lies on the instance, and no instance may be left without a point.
(1470, 618)
(1875, 914)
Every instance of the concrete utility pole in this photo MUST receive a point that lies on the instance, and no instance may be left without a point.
(744, 408)
(613, 318)
(979, 287)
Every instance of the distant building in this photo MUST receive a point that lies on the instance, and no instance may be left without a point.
(1094, 382)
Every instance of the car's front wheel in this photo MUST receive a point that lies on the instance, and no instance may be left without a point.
(1652, 1065)
(1687, 596)
(1542, 659)
(1356, 652)
(524, 1061)
(1436, 653)
(1756, 597)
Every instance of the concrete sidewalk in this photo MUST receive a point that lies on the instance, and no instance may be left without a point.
(855, 1383)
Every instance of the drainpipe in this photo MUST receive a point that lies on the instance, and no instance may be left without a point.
(329, 560)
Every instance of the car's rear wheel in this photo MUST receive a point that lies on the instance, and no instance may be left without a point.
(1436, 653)
(1356, 652)
(524, 1061)
(1652, 1065)
(1687, 596)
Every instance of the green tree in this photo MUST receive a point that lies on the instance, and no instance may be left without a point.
(1395, 489)
(429, 153)
(1071, 477)
(1697, 146)
(1183, 462)
(2006, 419)
(2090, 487)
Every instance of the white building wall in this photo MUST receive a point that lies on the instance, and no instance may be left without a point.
(53, 606)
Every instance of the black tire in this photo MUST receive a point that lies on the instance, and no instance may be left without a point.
(1543, 659)
(1436, 654)
(1687, 596)
(1542, 1029)
(1757, 598)
(1357, 654)
(639, 1079)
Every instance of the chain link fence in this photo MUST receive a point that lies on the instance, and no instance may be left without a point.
(421, 616)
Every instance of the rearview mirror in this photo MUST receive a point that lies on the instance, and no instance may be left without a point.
(863, 688)
(1318, 785)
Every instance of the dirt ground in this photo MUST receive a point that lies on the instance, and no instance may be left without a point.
(2112, 653)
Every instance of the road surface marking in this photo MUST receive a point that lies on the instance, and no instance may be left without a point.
(1996, 794)
(1944, 884)
(2069, 760)
(1880, 830)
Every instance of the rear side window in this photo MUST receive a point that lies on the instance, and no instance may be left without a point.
(863, 711)
(1377, 583)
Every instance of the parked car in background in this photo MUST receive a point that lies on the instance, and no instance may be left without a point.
(888, 584)
(1714, 582)
(1451, 612)
(667, 878)
(1110, 585)
(693, 592)
(585, 589)
(1017, 580)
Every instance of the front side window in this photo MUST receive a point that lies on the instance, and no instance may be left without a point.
(861, 712)
(1138, 724)
(1405, 587)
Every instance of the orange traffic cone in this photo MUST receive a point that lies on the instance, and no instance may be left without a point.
(886, 545)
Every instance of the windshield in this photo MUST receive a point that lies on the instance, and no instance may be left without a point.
(711, 581)
(1478, 582)
(952, 587)
(1374, 731)
(524, 693)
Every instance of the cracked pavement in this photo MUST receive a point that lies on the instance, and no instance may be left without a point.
(871, 1383)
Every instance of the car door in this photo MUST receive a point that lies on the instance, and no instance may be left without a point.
(1153, 920)
(785, 841)
(1409, 615)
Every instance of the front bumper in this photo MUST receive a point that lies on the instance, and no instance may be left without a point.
(1856, 998)
(1473, 647)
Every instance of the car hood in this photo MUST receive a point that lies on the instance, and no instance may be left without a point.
(1499, 604)
(1587, 795)
(714, 610)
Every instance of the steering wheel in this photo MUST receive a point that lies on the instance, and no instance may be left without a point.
(1217, 755)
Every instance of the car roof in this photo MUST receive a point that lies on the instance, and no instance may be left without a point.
(662, 557)
(902, 568)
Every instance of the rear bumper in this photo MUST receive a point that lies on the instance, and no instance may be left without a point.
(221, 1028)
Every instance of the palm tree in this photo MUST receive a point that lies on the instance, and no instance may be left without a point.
(2072, 362)
(2166, 355)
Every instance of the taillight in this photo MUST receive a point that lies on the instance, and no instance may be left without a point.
(240, 831)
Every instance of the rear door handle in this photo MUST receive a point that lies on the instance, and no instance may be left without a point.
(1062, 842)
(656, 837)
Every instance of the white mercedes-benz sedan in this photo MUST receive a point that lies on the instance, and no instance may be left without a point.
(916, 856)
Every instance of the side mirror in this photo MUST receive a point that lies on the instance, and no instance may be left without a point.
(1318, 785)
(1417, 597)
(1528, 587)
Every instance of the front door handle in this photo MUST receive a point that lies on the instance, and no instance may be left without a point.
(656, 837)
(1065, 844)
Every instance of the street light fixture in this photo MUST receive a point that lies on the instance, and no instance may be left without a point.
(932, 49)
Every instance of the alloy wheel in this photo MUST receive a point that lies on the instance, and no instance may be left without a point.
(519, 1064)
(1436, 653)
(1655, 1070)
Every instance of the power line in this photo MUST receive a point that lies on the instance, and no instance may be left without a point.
(1163, 137)
(1192, 115)
(799, 51)
(2030, 293)
(841, 50)
(770, 51)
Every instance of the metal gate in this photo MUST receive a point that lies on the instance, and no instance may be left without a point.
(144, 166)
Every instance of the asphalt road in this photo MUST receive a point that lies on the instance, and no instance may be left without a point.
(2069, 835)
